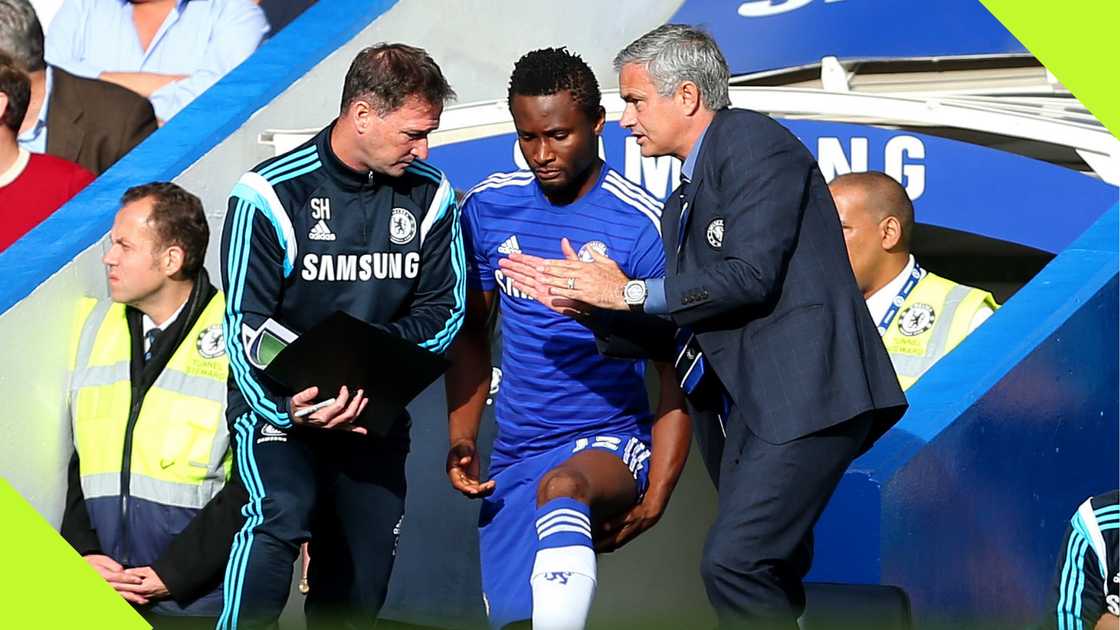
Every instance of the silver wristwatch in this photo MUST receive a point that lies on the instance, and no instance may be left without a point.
(634, 294)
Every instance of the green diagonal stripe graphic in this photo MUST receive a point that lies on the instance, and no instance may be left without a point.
(46, 584)
(1074, 40)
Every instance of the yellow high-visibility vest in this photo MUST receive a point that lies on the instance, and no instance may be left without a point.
(935, 317)
(180, 453)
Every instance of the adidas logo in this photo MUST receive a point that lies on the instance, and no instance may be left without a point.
(320, 232)
(509, 246)
(271, 431)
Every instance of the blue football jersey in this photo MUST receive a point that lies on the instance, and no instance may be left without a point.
(556, 387)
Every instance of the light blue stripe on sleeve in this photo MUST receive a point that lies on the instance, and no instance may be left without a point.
(237, 267)
(286, 161)
(444, 337)
(250, 195)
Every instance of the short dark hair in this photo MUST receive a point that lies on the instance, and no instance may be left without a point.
(177, 218)
(388, 74)
(885, 198)
(548, 71)
(17, 87)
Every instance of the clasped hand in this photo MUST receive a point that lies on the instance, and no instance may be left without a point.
(626, 526)
(138, 585)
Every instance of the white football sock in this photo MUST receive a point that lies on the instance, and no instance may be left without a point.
(563, 586)
(563, 576)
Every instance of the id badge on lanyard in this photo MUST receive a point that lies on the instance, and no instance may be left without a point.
(900, 299)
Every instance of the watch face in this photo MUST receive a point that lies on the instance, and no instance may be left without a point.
(635, 293)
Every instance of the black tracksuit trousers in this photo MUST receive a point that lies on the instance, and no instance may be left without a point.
(343, 492)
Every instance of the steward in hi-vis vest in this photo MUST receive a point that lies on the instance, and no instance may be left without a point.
(151, 444)
(936, 316)
(153, 498)
(921, 316)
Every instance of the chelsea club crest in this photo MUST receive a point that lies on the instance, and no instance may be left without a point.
(402, 226)
(916, 319)
(211, 344)
(599, 247)
(715, 233)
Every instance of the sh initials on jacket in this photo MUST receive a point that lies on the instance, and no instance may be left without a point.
(321, 213)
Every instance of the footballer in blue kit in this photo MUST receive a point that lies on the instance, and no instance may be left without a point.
(580, 462)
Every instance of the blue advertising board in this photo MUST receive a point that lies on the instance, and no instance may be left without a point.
(954, 184)
(760, 35)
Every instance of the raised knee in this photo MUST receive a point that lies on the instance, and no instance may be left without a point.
(711, 563)
(563, 483)
(723, 561)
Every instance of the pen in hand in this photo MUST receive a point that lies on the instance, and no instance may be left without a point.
(307, 411)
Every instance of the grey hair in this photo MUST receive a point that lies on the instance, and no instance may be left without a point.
(675, 53)
(21, 35)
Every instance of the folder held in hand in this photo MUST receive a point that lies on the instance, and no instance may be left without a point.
(344, 350)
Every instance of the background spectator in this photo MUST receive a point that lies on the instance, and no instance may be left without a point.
(920, 315)
(165, 50)
(281, 12)
(32, 186)
(91, 122)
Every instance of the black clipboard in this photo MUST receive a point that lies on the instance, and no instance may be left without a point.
(344, 350)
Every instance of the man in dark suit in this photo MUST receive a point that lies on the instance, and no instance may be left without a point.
(95, 123)
(91, 122)
(778, 353)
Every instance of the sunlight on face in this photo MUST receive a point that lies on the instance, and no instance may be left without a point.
(863, 235)
(132, 262)
(394, 140)
(654, 120)
(559, 140)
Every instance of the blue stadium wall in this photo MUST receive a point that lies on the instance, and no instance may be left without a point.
(965, 502)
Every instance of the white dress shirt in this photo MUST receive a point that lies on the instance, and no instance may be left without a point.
(880, 301)
(148, 324)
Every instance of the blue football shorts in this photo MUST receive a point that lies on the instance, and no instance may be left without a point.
(507, 535)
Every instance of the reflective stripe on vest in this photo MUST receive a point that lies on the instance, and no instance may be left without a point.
(935, 317)
(180, 443)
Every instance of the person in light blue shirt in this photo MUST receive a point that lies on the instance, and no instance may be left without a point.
(169, 51)
(34, 138)
(89, 122)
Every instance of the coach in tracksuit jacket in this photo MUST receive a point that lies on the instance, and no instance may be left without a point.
(353, 220)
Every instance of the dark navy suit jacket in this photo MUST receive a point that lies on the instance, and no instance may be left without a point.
(771, 296)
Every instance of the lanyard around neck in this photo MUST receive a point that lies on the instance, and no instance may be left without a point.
(900, 299)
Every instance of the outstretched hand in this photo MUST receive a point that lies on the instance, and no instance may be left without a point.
(463, 471)
(569, 285)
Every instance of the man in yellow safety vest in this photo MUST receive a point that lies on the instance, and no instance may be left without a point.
(153, 500)
(920, 315)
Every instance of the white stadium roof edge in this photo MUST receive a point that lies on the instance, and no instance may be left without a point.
(1051, 126)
